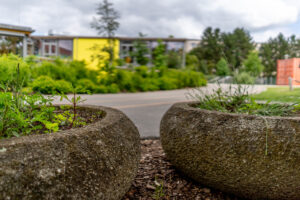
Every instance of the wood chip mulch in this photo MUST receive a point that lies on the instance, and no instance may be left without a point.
(158, 179)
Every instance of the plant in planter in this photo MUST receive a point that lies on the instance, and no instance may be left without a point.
(63, 152)
(229, 142)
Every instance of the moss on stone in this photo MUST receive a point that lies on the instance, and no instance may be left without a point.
(228, 151)
(98, 161)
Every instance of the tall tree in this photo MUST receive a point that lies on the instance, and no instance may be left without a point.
(140, 50)
(237, 46)
(159, 53)
(107, 24)
(210, 49)
(277, 48)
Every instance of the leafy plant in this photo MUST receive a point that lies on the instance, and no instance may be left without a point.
(253, 64)
(160, 59)
(222, 67)
(244, 78)
(22, 114)
(159, 189)
(140, 50)
(238, 100)
(75, 100)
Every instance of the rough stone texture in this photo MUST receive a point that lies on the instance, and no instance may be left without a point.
(227, 151)
(98, 161)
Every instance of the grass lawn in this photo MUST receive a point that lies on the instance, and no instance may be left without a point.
(282, 94)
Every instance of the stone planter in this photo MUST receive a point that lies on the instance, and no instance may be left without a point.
(98, 161)
(250, 156)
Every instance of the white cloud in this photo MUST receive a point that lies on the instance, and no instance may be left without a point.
(264, 18)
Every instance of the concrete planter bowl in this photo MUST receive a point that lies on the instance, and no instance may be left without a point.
(249, 156)
(98, 161)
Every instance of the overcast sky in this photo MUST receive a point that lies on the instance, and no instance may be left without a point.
(158, 18)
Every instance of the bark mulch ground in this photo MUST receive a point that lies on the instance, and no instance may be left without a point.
(158, 179)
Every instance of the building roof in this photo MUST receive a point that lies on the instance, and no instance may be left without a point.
(16, 28)
(120, 38)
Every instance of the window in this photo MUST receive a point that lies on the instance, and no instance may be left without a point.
(49, 48)
(65, 48)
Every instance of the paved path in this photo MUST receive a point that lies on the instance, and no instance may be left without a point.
(146, 109)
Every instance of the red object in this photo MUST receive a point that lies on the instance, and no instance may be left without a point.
(288, 68)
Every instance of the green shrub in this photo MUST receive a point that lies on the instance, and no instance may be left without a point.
(113, 88)
(84, 86)
(192, 62)
(8, 70)
(238, 100)
(244, 78)
(253, 64)
(173, 60)
(166, 83)
(222, 68)
(124, 80)
(47, 85)
(142, 70)
(101, 89)
(63, 86)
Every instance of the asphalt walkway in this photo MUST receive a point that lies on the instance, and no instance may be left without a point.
(146, 109)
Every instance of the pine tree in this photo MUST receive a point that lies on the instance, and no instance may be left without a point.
(106, 24)
(140, 50)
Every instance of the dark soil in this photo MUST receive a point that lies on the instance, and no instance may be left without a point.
(158, 179)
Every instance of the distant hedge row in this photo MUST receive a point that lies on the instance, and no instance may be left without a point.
(63, 76)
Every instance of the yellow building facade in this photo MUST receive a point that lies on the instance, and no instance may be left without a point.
(91, 50)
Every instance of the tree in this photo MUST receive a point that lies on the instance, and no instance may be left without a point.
(222, 68)
(173, 59)
(192, 62)
(106, 24)
(233, 46)
(277, 48)
(237, 46)
(140, 50)
(210, 48)
(160, 59)
(253, 64)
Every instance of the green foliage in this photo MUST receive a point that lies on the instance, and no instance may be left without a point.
(214, 45)
(47, 85)
(85, 86)
(222, 68)
(140, 50)
(253, 64)
(159, 189)
(210, 48)
(277, 48)
(167, 83)
(8, 70)
(22, 114)
(173, 60)
(237, 46)
(59, 69)
(238, 100)
(160, 59)
(73, 119)
(60, 76)
(113, 88)
(244, 78)
(192, 62)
